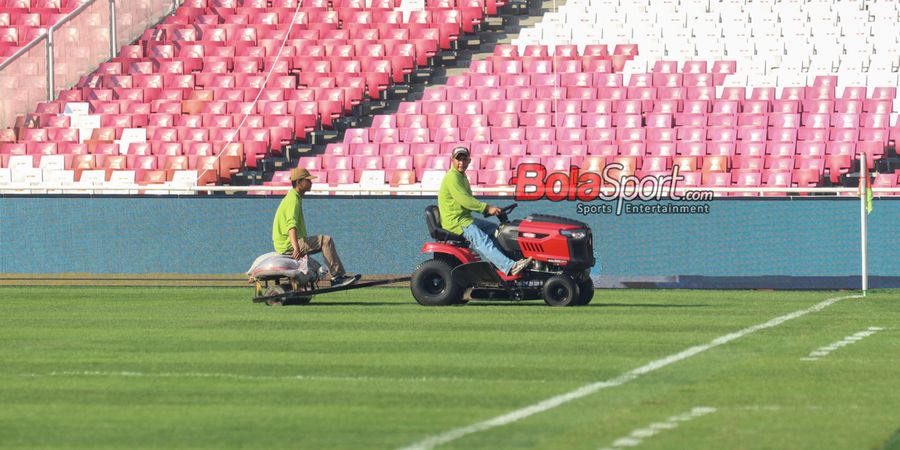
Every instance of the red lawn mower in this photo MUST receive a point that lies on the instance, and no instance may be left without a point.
(562, 251)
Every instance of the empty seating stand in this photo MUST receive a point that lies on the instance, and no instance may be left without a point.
(734, 93)
(575, 108)
(193, 86)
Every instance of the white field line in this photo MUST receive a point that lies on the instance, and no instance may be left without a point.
(637, 436)
(588, 389)
(759, 408)
(822, 352)
(236, 376)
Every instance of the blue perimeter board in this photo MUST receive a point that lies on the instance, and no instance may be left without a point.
(794, 237)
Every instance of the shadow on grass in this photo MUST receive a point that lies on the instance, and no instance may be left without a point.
(340, 303)
(476, 304)
(647, 305)
(592, 305)
(893, 443)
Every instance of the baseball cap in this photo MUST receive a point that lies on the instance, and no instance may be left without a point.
(301, 174)
(460, 151)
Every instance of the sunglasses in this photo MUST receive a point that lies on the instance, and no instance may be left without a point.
(462, 158)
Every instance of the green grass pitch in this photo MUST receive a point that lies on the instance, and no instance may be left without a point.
(129, 368)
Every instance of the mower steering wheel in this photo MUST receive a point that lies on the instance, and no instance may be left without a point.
(506, 210)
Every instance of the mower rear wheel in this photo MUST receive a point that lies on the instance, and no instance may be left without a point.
(561, 290)
(432, 285)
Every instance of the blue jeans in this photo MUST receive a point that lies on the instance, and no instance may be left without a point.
(481, 236)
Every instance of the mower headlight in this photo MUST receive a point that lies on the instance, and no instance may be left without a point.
(574, 234)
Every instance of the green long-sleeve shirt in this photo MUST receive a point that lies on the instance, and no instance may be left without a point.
(289, 215)
(456, 202)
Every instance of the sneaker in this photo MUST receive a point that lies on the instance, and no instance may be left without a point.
(519, 266)
(344, 280)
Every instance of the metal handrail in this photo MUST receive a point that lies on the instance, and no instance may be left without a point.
(23, 50)
(48, 37)
(72, 14)
(51, 29)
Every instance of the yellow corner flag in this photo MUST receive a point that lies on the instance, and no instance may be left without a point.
(868, 198)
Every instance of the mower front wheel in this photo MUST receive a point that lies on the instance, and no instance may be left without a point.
(432, 285)
(561, 290)
(586, 289)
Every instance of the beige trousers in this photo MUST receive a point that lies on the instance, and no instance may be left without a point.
(324, 244)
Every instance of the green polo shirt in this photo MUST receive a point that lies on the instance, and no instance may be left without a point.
(456, 202)
(289, 215)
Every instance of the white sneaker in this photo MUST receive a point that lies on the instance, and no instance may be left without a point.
(519, 266)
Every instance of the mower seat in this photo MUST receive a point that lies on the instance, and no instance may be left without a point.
(433, 220)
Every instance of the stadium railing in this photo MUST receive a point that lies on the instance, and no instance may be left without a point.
(361, 190)
(72, 47)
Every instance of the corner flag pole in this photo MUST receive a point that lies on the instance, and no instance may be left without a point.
(863, 192)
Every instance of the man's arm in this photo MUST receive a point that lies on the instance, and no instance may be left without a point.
(465, 199)
(292, 233)
(469, 202)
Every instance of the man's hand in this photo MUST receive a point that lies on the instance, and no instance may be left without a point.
(491, 211)
(295, 254)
